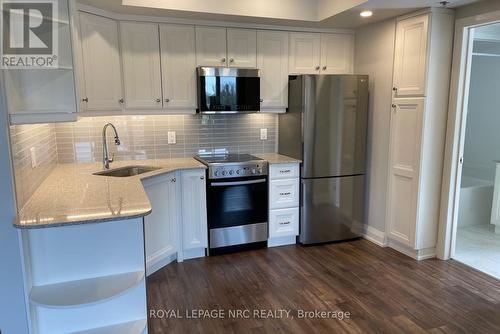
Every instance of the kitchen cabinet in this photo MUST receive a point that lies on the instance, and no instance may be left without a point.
(410, 60)
(141, 65)
(305, 50)
(101, 70)
(337, 53)
(272, 61)
(216, 46)
(162, 225)
(418, 130)
(211, 46)
(315, 53)
(194, 209)
(242, 48)
(283, 203)
(178, 63)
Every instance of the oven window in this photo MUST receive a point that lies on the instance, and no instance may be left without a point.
(233, 205)
(229, 93)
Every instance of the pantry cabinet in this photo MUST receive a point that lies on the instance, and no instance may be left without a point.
(418, 130)
(178, 63)
(194, 209)
(211, 46)
(410, 59)
(272, 61)
(102, 73)
(141, 65)
(314, 53)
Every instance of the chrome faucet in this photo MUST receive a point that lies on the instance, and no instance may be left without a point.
(105, 150)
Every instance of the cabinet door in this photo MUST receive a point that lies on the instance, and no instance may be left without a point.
(194, 209)
(242, 48)
(304, 53)
(161, 226)
(337, 51)
(141, 65)
(272, 60)
(405, 150)
(284, 193)
(410, 59)
(101, 63)
(283, 222)
(178, 65)
(211, 46)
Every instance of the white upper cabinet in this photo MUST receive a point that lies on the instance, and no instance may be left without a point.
(272, 60)
(241, 48)
(304, 53)
(101, 63)
(178, 67)
(211, 46)
(410, 59)
(141, 65)
(337, 52)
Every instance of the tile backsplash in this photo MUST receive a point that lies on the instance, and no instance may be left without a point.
(146, 137)
(42, 139)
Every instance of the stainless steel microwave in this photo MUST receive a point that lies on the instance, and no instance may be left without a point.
(223, 90)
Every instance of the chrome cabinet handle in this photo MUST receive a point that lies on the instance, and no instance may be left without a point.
(395, 89)
(85, 99)
(324, 68)
(317, 68)
(261, 100)
(158, 100)
(223, 60)
(167, 100)
(202, 178)
(121, 100)
(394, 106)
(173, 180)
(231, 60)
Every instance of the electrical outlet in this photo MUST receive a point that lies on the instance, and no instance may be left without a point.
(263, 134)
(34, 163)
(171, 137)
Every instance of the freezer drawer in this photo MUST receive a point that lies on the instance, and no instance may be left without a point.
(283, 222)
(283, 193)
(331, 208)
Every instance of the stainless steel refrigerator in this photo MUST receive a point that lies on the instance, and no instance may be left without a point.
(325, 127)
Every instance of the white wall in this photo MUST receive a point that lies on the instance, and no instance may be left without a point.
(374, 55)
(12, 307)
(482, 136)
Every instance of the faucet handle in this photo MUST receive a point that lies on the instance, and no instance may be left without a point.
(112, 158)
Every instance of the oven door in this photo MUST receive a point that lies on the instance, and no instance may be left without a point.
(237, 211)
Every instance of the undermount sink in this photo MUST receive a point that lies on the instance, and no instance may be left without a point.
(127, 171)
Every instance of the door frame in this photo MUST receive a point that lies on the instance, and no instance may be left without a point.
(455, 132)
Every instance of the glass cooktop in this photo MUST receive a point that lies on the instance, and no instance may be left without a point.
(226, 158)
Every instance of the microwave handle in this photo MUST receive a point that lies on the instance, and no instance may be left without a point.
(237, 183)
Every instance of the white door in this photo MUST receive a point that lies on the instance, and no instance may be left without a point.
(242, 48)
(404, 165)
(194, 209)
(211, 46)
(141, 65)
(101, 63)
(272, 60)
(410, 59)
(337, 52)
(304, 53)
(161, 226)
(178, 67)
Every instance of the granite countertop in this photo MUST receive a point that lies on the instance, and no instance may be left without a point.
(275, 158)
(71, 194)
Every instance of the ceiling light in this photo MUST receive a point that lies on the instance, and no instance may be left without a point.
(366, 13)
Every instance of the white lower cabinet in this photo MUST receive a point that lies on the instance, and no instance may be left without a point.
(176, 229)
(284, 194)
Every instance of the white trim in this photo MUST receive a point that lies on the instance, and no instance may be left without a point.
(420, 254)
(282, 241)
(160, 19)
(193, 253)
(374, 235)
(160, 259)
(455, 133)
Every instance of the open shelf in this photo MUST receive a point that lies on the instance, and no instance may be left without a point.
(84, 292)
(132, 327)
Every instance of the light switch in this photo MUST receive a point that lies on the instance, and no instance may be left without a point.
(34, 163)
(171, 137)
(263, 134)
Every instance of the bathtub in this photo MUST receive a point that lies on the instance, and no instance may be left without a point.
(476, 198)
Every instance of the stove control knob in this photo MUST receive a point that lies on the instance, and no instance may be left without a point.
(254, 171)
(238, 171)
(224, 173)
(231, 172)
(216, 173)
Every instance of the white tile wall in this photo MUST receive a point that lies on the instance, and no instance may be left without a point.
(145, 137)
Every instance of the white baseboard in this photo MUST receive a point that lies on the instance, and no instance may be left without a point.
(193, 253)
(159, 260)
(417, 254)
(376, 236)
(281, 241)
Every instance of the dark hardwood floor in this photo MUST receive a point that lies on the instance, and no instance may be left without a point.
(384, 291)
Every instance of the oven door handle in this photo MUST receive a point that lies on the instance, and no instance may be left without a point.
(237, 183)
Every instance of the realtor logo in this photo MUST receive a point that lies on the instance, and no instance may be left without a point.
(29, 34)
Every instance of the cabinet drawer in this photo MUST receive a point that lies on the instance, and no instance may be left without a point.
(283, 222)
(284, 171)
(284, 193)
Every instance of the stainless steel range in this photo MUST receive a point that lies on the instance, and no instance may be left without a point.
(237, 201)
